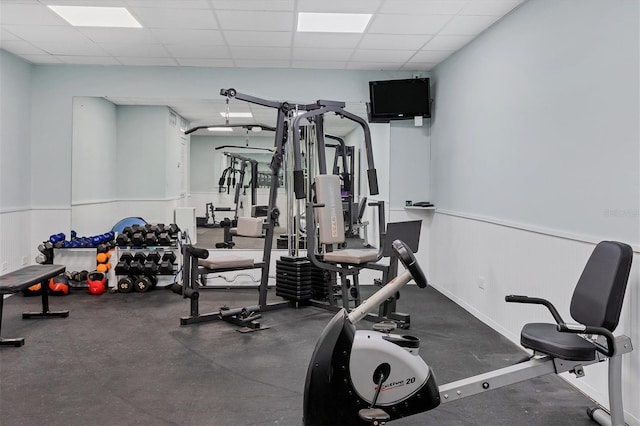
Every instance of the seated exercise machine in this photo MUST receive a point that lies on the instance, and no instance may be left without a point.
(22, 279)
(325, 221)
(371, 377)
(196, 264)
(195, 267)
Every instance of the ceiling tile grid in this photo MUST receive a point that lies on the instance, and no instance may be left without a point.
(413, 35)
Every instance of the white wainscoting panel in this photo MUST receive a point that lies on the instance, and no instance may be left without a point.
(466, 253)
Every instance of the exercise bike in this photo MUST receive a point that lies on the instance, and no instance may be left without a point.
(371, 377)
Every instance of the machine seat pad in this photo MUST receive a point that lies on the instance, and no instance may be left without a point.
(352, 256)
(225, 262)
(545, 338)
(249, 226)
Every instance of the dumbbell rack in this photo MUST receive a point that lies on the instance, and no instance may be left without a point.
(135, 250)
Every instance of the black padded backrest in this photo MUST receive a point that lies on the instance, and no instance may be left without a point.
(598, 296)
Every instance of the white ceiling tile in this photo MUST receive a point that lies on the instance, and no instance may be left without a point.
(374, 66)
(7, 35)
(258, 38)
(252, 63)
(42, 59)
(45, 32)
(490, 7)
(371, 55)
(319, 64)
(468, 25)
(418, 66)
(205, 51)
(314, 54)
(130, 49)
(413, 7)
(97, 3)
(183, 36)
(20, 47)
(448, 42)
(141, 61)
(256, 21)
(75, 47)
(327, 40)
(408, 24)
(119, 35)
(183, 4)
(277, 53)
(392, 41)
(151, 17)
(88, 60)
(28, 14)
(266, 5)
(205, 62)
(338, 6)
(431, 56)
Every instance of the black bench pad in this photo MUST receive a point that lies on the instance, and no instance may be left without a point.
(28, 276)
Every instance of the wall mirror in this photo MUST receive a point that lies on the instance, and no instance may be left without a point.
(130, 157)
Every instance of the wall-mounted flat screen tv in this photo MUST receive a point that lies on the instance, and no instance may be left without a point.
(399, 99)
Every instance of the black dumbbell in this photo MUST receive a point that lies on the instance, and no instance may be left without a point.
(150, 267)
(169, 256)
(122, 268)
(123, 239)
(155, 256)
(173, 229)
(151, 239)
(137, 239)
(126, 256)
(125, 284)
(136, 267)
(164, 239)
(145, 283)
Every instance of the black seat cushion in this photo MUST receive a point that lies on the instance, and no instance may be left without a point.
(545, 338)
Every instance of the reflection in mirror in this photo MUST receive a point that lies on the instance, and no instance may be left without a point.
(147, 166)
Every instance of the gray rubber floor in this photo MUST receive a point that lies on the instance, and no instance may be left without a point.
(124, 359)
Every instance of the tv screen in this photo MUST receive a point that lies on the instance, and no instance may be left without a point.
(399, 99)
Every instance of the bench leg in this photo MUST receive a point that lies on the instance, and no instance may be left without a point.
(8, 342)
(45, 308)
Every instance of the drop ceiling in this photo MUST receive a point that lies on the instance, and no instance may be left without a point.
(402, 35)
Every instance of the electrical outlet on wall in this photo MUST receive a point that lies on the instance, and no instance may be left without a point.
(4, 266)
(25, 260)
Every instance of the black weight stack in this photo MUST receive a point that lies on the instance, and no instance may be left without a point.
(293, 278)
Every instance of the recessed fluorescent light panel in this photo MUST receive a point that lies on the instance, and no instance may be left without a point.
(237, 114)
(220, 129)
(90, 16)
(333, 22)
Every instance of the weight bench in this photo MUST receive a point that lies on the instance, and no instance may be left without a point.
(22, 279)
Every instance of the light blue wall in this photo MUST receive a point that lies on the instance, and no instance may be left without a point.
(15, 132)
(537, 121)
(94, 150)
(141, 152)
(409, 163)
